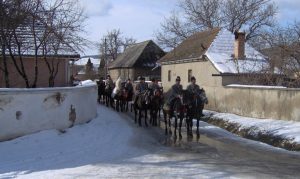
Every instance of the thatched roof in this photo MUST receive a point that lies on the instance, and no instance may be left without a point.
(144, 54)
(193, 47)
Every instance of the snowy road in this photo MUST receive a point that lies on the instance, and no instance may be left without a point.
(112, 146)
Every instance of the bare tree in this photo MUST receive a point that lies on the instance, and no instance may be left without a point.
(284, 52)
(41, 28)
(205, 14)
(3, 28)
(113, 43)
(173, 31)
(251, 16)
(63, 23)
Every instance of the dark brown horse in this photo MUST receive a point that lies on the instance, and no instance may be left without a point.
(141, 105)
(101, 91)
(154, 106)
(178, 112)
(195, 110)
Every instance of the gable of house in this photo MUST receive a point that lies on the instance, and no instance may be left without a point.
(217, 46)
(144, 54)
(192, 48)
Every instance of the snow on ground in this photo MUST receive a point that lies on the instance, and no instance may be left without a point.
(285, 129)
(105, 147)
(112, 146)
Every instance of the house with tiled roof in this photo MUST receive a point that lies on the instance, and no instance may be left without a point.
(215, 57)
(137, 60)
(220, 62)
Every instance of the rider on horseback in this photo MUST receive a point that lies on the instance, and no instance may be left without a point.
(129, 88)
(153, 86)
(193, 88)
(176, 91)
(140, 88)
(109, 84)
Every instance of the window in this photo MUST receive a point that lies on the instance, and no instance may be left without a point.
(169, 75)
(190, 74)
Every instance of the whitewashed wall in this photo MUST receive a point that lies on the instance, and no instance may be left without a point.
(26, 111)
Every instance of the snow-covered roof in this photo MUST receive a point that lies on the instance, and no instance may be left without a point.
(220, 53)
(218, 45)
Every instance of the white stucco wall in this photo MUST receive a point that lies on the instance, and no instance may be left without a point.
(26, 111)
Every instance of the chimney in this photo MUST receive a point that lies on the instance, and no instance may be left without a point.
(239, 45)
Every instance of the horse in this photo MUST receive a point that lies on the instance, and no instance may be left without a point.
(195, 110)
(108, 98)
(101, 91)
(178, 112)
(119, 94)
(154, 106)
(141, 104)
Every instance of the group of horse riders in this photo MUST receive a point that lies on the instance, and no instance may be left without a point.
(108, 85)
(144, 97)
(176, 90)
(142, 87)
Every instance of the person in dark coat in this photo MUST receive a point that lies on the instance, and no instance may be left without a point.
(153, 86)
(193, 87)
(176, 91)
(129, 88)
(141, 87)
(109, 84)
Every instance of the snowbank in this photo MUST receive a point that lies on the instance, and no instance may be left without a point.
(285, 134)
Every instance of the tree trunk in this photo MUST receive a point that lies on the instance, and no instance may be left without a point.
(6, 73)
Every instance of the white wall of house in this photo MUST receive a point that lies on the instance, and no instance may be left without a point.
(26, 111)
(202, 70)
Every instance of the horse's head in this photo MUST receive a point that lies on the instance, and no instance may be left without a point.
(146, 97)
(202, 96)
(157, 93)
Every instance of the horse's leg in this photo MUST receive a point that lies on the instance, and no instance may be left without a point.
(175, 130)
(135, 115)
(106, 100)
(140, 117)
(151, 116)
(169, 121)
(197, 132)
(180, 125)
(166, 122)
(116, 104)
(122, 105)
(155, 117)
(146, 124)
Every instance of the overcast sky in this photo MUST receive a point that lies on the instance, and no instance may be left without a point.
(140, 18)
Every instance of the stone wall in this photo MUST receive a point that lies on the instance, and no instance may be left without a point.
(257, 102)
(26, 111)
